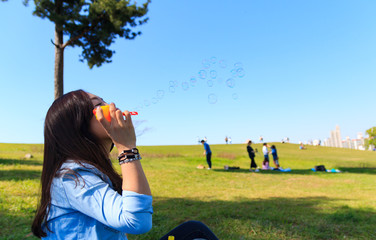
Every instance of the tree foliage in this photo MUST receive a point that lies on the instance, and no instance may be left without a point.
(371, 136)
(93, 25)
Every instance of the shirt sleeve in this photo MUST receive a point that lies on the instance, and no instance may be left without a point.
(130, 212)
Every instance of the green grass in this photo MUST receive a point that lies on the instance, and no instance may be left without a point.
(236, 204)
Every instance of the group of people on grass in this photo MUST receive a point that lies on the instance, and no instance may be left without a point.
(251, 154)
(266, 152)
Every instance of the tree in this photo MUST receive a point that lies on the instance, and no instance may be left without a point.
(92, 25)
(371, 136)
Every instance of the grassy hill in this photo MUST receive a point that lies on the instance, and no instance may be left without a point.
(235, 204)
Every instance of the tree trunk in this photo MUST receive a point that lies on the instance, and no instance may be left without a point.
(59, 64)
(59, 56)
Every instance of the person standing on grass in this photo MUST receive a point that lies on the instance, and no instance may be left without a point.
(82, 196)
(265, 151)
(275, 156)
(251, 154)
(208, 153)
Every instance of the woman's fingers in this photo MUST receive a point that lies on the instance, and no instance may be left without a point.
(100, 117)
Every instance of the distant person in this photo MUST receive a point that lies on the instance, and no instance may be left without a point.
(261, 139)
(208, 153)
(226, 140)
(251, 154)
(275, 155)
(229, 140)
(301, 147)
(265, 151)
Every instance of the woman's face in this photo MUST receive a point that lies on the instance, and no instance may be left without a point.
(95, 126)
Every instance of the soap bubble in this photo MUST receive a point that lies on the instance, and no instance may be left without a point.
(154, 100)
(222, 63)
(160, 94)
(233, 72)
(206, 64)
(230, 83)
(185, 86)
(210, 83)
(213, 74)
(202, 74)
(213, 60)
(238, 65)
(235, 96)
(147, 103)
(172, 84)
(193, 81)
(171, 89)
(212, 98)
(240, 72)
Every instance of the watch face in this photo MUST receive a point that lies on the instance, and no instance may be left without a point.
(135, 150)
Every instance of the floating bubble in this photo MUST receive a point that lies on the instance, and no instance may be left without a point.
(206, 63)
(171, 83)
(240, 72)
(233, 72)
(147, 103)
(222, 63)
(154, 100)
(230, 83)
(213, 74)
(212, 98)
(185, 86)
(235, 96)
(160, 94)
(176, 83)
(171, 89)
(202, 74)
(213, 60)
(193, 81)
(210, 83)
(238, 65)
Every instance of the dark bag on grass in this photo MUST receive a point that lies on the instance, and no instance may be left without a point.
(320, 168)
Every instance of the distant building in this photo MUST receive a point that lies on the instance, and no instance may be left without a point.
(336, 141)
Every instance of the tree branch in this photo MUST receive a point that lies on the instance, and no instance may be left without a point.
(55, 44)
(83, 33)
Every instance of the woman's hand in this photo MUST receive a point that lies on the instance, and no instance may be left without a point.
(120, 130)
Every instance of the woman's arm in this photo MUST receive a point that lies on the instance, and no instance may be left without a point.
(122, 133)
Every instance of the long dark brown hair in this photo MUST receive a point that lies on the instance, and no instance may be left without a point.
(67, 136)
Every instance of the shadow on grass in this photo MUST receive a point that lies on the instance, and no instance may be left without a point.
(16, 227)
(18, 174)
(303, 171)
(273, 218)
(244, 219)
(293, 171)
(359, 170)
(20, 162)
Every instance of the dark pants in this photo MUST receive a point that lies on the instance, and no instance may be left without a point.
(253, 163)
(191, 230)
(208, 159)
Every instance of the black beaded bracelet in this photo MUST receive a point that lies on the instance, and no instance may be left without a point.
(131, 152)
(130, 158)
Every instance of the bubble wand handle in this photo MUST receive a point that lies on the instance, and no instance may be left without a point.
(106, 112)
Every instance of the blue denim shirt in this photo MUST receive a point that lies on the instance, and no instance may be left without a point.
(92, 209)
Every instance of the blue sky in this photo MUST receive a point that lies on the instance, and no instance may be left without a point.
(273, 68)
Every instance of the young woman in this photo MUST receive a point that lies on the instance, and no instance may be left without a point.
(275, 156)
(251, 154)
(82, 196)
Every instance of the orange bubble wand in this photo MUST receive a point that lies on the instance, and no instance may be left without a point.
(106, 112)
